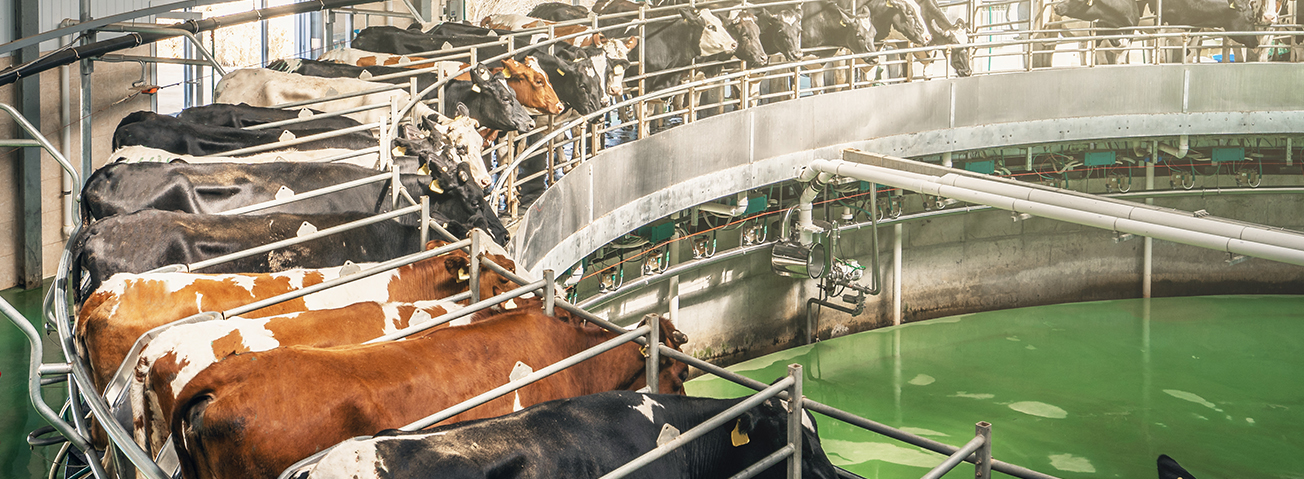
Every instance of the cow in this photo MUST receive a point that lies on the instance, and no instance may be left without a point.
(255, 414)
(517, 22)
(106, 247)
(746, 32)
(398, 41)
(121, 188)
(1111, 14)
(244, 115)
(781, 31)
(904, 16)
(263, 87)
(530, 88)
(587, 437)
(178, 353)
(363, 58)
(694, 35)
(146, 128)
(559, 12)
(1231, 16)
(128, 305)
(826, 24)
(944, 33)
(145, 154)
(484, 95)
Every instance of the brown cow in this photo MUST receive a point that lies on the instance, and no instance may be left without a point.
(128, 305)
(255, 414)
(174, 357)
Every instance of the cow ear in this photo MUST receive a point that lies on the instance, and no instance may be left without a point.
(689, 15)
(631, 43)
(432, 244)
(743, 428)
(458, 267)
(462, 110)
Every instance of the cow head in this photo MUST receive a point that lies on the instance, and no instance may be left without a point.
(577, 81)
(617, 52)
(506, 109)
(1267, 11)
(909, 20)
(671, 373)
(455, 270)
(462, 142)
(1108, 14)
(714, 39)
(859, 29)
(743, 28)
(531, 86)
(763, 429)
(783, 30)
(961, 54)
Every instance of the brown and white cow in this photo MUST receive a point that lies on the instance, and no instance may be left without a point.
(255, 414)
(177, 354)
(128, 305)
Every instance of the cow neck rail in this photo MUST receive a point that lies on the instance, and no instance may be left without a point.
(494, 393)
(473, 308)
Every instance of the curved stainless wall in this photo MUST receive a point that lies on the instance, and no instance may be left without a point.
(633, 184)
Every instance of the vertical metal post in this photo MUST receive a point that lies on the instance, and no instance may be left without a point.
(1147, 260)
(475, 264)
(674, 280)
(896, 274)
(641, 115)
(946, 159)
(1289, 147)
(983, 468)
(1027, 160)
(29, 158)
(795, 401)
(549, 292)
(653, 352)
(87, 67)
(328, 31)
(425, 221)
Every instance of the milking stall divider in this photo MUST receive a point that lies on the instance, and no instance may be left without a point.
(583, 146)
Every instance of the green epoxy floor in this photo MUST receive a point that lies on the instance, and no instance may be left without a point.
(1073, 390)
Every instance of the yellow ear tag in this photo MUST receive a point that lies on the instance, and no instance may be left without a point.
(425, 170)
(462, 276)
(507, 74)
(434, 186)
(399, 151)
(559, 72)
(738, 438)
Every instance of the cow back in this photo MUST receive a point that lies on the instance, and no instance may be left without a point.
(305, 399)
(244, 115)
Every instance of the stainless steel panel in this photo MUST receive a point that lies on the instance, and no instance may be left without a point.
(645, 180)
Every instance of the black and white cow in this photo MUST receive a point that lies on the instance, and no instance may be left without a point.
(244, 115)
(583, 437)
(694, 35)
(112, 245)
(122, 188)
(827, 24)
(781, 31)
(559, 12)
(1231, 16)
(146, 128)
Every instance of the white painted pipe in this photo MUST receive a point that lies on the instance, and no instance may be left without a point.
(1148, 253)
(946, 159)
(1074, 214)
(1130, 211)
(896, 274)
(726, 209)
(1183, 146)
(65, 140)
(805, 223)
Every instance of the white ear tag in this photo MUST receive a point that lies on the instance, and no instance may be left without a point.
(305, 229)
(519, 371)
(365, 75)
(283, 193)
(475, 88)
(462, 275)
(668, 433)
(510, 304)
(399, 151)
(349, 269)
(287, 135)
(332, 92)
(446, 46)
(305, 113)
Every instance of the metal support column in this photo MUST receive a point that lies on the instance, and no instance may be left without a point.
(653, 353)
(794, 421)
(896, 274)
(1147, 261)
(983, 468)
(476, 240)
(29, 159)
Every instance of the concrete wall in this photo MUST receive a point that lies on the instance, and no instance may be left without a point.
(979, 261)
(110, 82)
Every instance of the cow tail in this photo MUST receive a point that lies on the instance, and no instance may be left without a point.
(187, 434)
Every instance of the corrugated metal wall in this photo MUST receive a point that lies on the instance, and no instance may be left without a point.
(6, 27)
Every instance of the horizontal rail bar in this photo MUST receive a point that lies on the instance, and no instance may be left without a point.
(300, 140)
(309, 194)
(317, 116)
(467, 311)
(701, 429)
(956, 458)
(379, 268)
